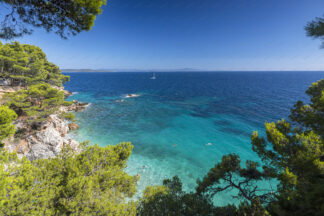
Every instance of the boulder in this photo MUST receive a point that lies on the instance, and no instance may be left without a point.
(73, 126)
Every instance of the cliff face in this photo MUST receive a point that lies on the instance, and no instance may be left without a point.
(44, 143)
(49, 141)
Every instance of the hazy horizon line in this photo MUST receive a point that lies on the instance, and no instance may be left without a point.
(180, 70)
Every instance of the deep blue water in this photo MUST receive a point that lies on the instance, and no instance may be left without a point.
(177, 114)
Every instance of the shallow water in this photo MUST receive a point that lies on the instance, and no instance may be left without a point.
(182, 123)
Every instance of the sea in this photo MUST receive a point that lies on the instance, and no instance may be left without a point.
(182, 123)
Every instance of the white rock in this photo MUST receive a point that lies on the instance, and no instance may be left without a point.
(49, 142)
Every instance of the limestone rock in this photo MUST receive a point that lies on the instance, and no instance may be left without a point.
(73, 126)
(58, 124)
(46, 142)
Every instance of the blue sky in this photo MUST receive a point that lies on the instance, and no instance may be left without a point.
(197, 34)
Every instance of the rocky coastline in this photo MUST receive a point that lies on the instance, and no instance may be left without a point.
(48, 138)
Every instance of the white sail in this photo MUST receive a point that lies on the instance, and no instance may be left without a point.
(153, 77)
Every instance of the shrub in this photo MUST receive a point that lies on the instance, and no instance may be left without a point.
(68, 116)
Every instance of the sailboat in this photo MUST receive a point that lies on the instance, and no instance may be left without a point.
(153, 77)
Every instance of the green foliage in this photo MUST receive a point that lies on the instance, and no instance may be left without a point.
(28, 64)
(20, 133)
(229, 175)
(296, 157)
(309, 116)
(7, 116)
(315, 28)
(90, 183)
(38, 101)
(169, 199)
(67, 103)
(65, 18)
(68, 116)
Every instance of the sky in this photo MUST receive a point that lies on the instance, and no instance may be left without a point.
(216, 35)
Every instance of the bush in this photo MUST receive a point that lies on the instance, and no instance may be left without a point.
(20, 132)
(7, 116)
(68, 116)
(67, 103)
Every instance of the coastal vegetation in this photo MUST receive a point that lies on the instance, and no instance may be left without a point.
(23, 65)
(37, 101)
(90, 183)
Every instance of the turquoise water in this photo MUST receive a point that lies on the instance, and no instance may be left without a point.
(182, 123)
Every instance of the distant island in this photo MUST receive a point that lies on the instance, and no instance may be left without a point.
(127, 70)
(134, 70)
(87, 70)
(176, 70)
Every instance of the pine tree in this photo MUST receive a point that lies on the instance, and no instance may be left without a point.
(36, 102)
(27, 64)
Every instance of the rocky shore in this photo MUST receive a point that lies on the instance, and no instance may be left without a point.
(50, 136)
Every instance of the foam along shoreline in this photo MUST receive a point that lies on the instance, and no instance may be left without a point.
(132, 95)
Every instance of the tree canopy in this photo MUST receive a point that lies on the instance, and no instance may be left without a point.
(170, 199)
(36, 102)
(90, 183)
(28, 64)
(65, 18)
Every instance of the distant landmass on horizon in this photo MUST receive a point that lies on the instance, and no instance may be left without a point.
(178, 70)
(130, 70)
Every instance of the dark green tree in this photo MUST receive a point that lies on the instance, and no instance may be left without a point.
(296, 157)
(229, 175)
(315, 28)
(170, 199)
(65, 18)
